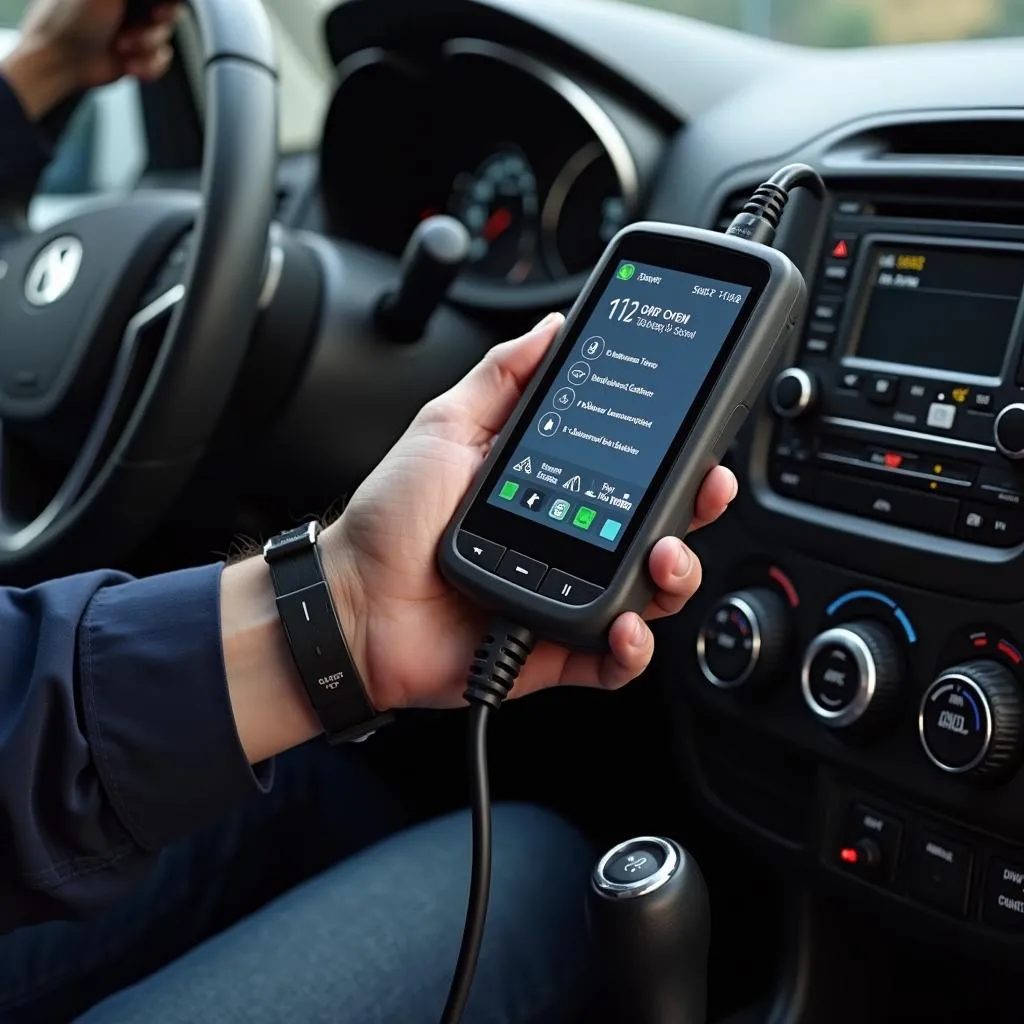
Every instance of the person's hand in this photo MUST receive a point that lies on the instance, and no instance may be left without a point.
(68, 46)
(411, 634)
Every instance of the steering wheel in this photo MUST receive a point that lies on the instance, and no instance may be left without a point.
(113, 409)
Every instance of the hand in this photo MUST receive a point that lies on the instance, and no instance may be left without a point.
(68, 46)
(411, 634)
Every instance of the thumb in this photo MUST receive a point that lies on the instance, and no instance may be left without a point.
(489, 392)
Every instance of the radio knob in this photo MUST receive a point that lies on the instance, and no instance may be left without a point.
(793, 392)
(1009, 431)
(744, 639)
(971, 721)
(852, 675)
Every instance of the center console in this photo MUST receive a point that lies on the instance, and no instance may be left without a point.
(852, 671)
(904, 403)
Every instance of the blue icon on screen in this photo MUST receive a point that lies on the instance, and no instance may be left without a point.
(610, 530)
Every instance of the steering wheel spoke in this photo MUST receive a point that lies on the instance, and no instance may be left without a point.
(100, 440)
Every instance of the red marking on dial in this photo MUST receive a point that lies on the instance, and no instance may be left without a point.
(497, 224)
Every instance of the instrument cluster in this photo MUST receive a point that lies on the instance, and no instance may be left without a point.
(527, 159)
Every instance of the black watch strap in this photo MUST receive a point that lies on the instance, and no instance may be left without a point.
(316, 639)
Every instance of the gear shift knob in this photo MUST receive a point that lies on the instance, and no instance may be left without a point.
(650, 918)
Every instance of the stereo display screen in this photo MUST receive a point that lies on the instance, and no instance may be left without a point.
(952, 309)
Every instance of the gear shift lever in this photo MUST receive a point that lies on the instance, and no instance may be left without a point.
(650, 918)
(434, 254)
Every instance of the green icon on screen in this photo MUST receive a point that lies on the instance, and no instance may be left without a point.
(508, 490)
(584, 518)
(626, 271)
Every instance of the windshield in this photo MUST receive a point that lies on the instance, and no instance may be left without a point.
(857, 22)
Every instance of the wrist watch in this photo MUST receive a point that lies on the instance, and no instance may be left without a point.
(316, 639)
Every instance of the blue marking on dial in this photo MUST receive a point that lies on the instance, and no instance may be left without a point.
(974, 705)
(873, 595)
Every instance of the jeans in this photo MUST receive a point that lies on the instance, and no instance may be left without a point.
(373, 938)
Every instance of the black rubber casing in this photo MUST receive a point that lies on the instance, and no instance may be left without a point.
(749, 365)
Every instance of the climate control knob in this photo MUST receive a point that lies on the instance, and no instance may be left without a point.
(971, 720)
(1009, 431)
(852, 675)
(793, 392)
(744, 638)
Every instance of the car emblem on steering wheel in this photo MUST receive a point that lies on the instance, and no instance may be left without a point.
(54, 271)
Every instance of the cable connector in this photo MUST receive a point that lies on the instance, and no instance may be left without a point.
(498, 662)
(760, 216)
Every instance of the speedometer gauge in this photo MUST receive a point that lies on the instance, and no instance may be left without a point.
(498, 204)
(582, 212)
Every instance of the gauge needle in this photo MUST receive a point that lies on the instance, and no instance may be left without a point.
(497, 224)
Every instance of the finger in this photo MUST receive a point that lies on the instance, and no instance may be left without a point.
(164, 14)
(676, 572)
(151, 67)
(631, 647)
(141, 42)
(720, 487)
(631, 644)
(487, 394)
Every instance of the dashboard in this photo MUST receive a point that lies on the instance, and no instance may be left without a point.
(847, 690)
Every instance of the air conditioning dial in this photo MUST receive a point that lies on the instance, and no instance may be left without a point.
(744, 639)
(971, 721)
(852, 675)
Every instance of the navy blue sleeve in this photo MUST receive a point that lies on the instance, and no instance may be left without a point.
(116, 734)
(24, 149)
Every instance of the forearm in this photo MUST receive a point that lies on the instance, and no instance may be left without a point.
(39, 78)
(114, 704)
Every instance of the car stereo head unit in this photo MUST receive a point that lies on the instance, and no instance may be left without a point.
(906, 401)
(948, 307)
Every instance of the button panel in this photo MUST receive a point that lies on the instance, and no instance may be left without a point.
(826, 309)
(484, 553)
(867, 830)
(518, 569)
(888, 504)
(882, 389)
(984, 524)
(568, 589)
(819, 339)
(1002, 903)
(952, 496)
(939, 871)
(792, 478)
(524, 571)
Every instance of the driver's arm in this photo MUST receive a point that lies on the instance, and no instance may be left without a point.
(24, 148)
(131, 710)
(116, 734)
(67, 47)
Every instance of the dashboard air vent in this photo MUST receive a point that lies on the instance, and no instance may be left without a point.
(947, 201)
(968, 140)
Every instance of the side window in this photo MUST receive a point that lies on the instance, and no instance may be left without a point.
(103, 148)
(101, 152)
